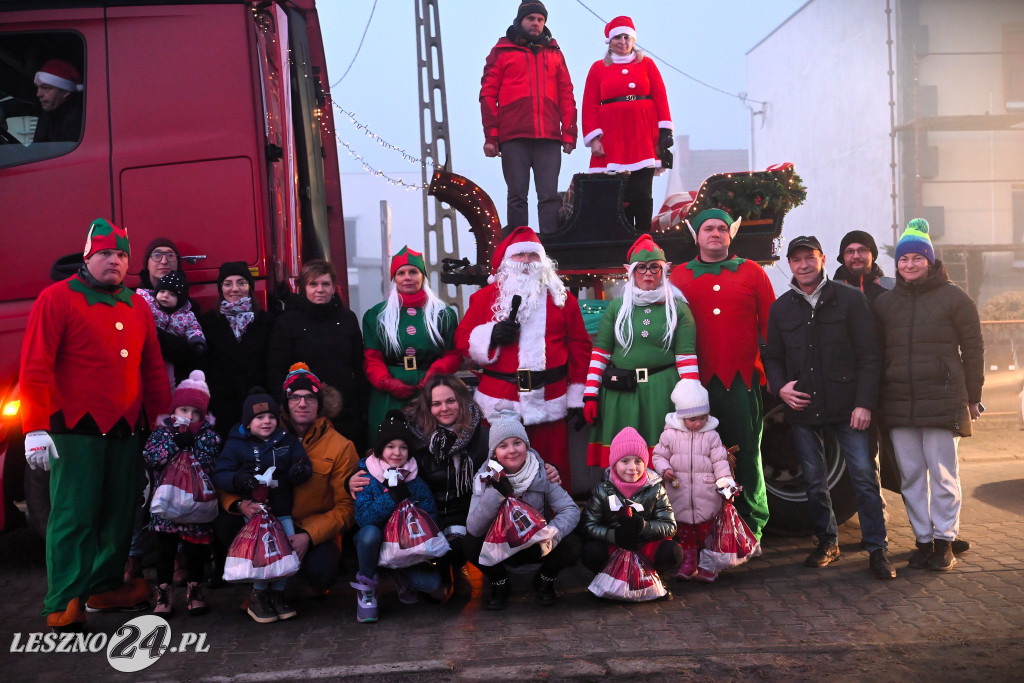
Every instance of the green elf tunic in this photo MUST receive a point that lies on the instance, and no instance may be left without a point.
(644, 409)
(419, 359)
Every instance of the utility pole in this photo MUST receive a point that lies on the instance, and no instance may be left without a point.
(440, 233)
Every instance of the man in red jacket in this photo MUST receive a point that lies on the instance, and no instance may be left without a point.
(91, 372)
(529, 114)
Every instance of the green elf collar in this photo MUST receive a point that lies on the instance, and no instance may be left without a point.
(701, 268)
(95, 296)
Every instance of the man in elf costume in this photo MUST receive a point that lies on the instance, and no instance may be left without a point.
(90, 366)
(407, 338)
(527, 333)
(730, 298)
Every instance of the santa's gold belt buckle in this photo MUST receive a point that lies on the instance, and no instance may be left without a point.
(641, 375)
(524, 380)
(410, 362)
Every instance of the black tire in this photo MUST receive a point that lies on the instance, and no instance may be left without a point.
(783, 477)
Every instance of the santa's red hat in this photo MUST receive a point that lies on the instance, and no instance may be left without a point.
(60, 74)
(522, 240)
(618, 26)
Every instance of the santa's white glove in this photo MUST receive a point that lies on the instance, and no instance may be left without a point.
(39, 449)
(267, 478)
(727, 487)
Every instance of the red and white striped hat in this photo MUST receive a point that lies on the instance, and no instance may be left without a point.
(618, 26)
(60, 74)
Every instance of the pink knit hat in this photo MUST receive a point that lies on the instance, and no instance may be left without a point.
(626, 443)
(192, 392)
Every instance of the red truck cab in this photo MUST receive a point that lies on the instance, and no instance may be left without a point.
(207, 123)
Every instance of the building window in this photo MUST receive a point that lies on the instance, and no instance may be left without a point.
(1013, 65)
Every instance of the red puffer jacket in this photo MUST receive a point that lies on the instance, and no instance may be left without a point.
(527, 95)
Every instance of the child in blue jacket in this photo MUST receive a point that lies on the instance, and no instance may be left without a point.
(374, 505)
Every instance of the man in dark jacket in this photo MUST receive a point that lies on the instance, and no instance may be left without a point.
(858, 253)
(529, 114)
(823, 362)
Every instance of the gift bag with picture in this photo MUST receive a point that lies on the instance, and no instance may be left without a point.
(517, 527)
(629, 577)
(729, 543)
(410, 537)
(185, 493)
(261, 551)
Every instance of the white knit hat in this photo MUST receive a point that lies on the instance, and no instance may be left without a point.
(505, 422)
(690, 399)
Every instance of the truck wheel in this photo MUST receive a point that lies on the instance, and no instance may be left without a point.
(783, 477)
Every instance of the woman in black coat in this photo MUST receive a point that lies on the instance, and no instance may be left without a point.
(237, 335)
(317, 329)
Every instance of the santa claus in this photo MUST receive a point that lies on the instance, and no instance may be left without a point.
(526, 332)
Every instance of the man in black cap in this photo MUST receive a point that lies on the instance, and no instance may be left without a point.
(529, 114)
(858, 253)
(823, 362)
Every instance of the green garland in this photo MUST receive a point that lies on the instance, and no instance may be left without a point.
(748, 195)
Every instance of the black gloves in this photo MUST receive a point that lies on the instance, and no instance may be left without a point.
(664, 140)
(399, 492)
(575, 416)
(185, 440)
(505, 332)
(627, 535)
(300, 472)
(502, 485)
(198, 348)
(244, 481)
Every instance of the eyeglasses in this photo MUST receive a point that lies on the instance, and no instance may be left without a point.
(653, 268)
(863, 251)
(163, 256)
(304, 399)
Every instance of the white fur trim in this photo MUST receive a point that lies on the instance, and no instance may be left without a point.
(589, 137)
(524, 248)
(480, 345)
(531, 406)
(618, 168)
(574, 394)
(58, 82)
(491, 279)
(673, 421)
(532, 342)
(666, 124)
(618, 31)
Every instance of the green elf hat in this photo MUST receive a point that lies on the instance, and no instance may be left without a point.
(407, 257)
(644, 249)
(105, 235)
(694, 223)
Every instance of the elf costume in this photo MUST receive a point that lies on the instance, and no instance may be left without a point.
(90, 364)
(658, 365)
(397, 371)
(730, 301)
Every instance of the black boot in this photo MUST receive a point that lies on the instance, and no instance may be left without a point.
(545, 587)
(500, 590)
(919, 558)
(942, 558)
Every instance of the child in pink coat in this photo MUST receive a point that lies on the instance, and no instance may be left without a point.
(691, 458)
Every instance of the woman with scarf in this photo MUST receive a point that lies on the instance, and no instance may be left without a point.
(646, 343)
(407, 338)
(626, 119)
(237, 334)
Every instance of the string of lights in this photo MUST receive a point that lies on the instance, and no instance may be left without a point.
(381, 141)
(398, 182)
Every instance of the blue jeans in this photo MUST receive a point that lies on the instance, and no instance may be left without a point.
(368, 540)
(855, 444)
(277, 584)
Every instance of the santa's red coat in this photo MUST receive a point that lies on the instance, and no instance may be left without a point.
(552, 336)
(99, 359)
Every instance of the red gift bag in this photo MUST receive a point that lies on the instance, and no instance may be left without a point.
(627, 576)
(185, 493)
(729, 543)
(261, 551)
(410, 537)
(517, 526)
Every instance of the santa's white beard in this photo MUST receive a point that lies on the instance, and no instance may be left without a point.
(531, 281)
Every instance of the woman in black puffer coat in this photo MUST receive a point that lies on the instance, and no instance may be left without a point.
(932, 376)
(317, 329)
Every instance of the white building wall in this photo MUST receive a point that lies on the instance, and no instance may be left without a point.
(824, 75)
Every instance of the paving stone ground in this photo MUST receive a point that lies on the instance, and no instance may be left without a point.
(772, 619)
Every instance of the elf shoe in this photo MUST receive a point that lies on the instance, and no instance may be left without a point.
(69, 619)
(130, 597)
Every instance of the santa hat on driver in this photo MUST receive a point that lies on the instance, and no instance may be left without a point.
(60, 74)
(522, 240)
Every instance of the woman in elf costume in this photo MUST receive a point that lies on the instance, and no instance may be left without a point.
(407, 338)
(643, 348)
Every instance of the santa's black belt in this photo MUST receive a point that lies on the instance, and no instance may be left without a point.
(625, 98)
(528, 380)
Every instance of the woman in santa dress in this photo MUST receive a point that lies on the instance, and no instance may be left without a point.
(626, 119)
